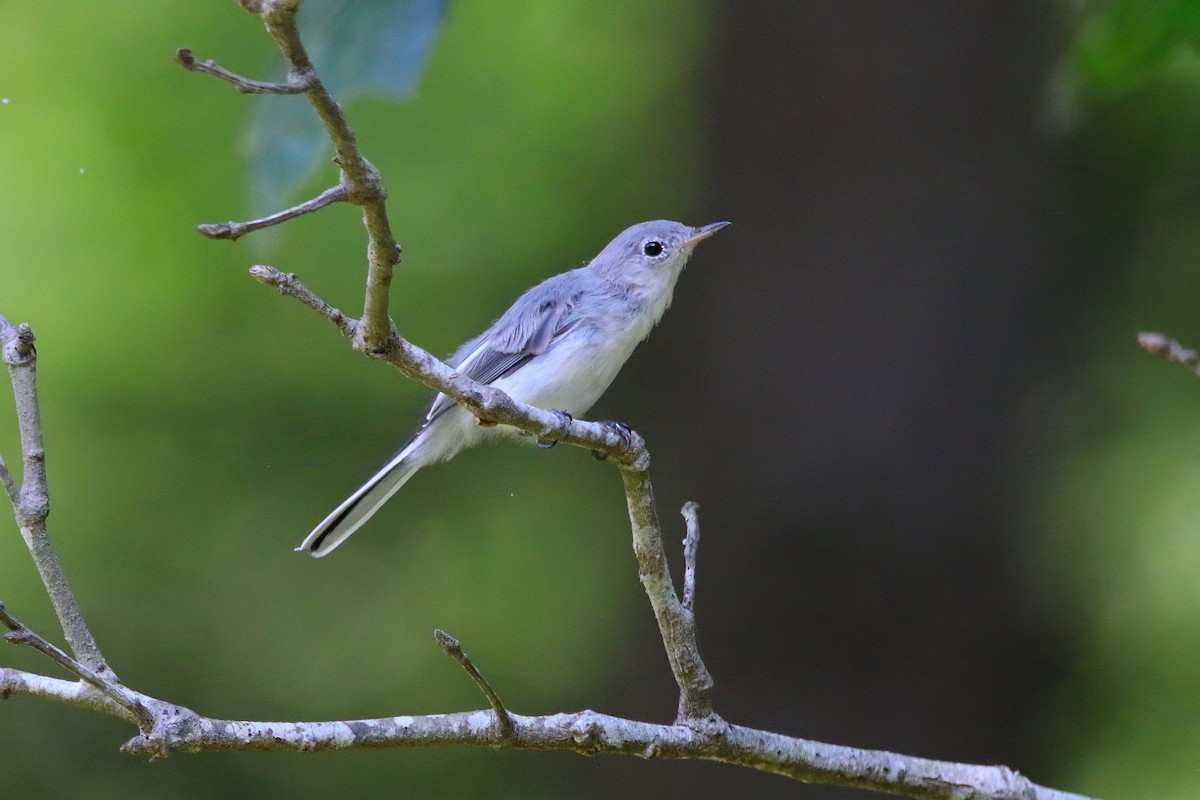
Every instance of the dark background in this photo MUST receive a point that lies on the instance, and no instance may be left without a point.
(860, 346)
(948, 505)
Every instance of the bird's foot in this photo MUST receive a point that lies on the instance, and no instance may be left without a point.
(564, 419)
(620, 429)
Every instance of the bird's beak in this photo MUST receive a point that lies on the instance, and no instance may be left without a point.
(703, 232)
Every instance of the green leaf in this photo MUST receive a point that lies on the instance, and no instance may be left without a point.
(1120, 42)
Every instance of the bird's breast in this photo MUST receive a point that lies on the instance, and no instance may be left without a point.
(573, 373)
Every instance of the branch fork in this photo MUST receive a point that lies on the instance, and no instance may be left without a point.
(127, 700)
(297, 82)
(453, 648)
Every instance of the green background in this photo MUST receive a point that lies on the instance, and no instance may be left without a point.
(198, 425)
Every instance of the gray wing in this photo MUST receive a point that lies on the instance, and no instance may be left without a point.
(525, 331)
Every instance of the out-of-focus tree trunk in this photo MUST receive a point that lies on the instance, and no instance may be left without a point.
(862, 341)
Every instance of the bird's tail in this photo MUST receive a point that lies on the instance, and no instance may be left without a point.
(360, 506)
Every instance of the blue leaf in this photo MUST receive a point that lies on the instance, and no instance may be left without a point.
(372, 46)
(359, 47)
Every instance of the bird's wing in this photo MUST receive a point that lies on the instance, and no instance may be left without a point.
(526, 330)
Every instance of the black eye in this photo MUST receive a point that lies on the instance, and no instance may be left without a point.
(652, 249)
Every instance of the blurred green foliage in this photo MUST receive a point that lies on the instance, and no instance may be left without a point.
(1119, 518)
(198, 425)
(1120, 42)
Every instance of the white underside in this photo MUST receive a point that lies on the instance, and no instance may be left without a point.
(571, 376)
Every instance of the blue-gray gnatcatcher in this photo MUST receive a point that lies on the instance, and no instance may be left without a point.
(558, 347)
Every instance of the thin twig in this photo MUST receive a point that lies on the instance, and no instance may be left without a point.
(453, 648)
(33, 499)
(675, 624)
(235, 230)
(363, 182)
(73, 693)
(295, 85)
(1170, 349)
(287, 284)
(20, 634)
(691, 543)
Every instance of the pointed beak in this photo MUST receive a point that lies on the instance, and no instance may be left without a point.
(703, 232)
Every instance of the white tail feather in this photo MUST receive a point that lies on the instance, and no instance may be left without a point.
(360, 506)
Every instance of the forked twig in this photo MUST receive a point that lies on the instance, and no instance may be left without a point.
(295, 85)
(20, 634)
(453, 648)
(359, 178)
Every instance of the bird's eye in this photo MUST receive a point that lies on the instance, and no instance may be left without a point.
(652, 249)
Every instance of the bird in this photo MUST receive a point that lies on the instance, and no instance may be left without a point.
(558, 347)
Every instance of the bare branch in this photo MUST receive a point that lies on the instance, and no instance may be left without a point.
(691, 543)
(675, 623)
(700, 736)
(235, 230)
(180, 729)
(453, 648)
(20, 634)
(362, 181)
(33, 499)
(15, 682)
(1170, 349)
(591, 733)
(295, 85)
(287, 284)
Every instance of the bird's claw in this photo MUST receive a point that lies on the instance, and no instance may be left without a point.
(620, 429)
(564, 419)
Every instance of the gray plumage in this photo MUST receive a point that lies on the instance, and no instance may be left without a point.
(559, 346)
